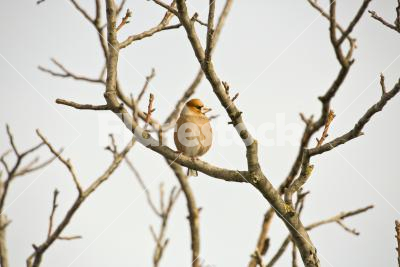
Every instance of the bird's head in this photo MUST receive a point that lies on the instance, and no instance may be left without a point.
(196, 106)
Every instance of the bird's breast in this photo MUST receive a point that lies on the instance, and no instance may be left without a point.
(193, 135)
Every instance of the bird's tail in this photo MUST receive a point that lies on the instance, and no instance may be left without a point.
(191, 172)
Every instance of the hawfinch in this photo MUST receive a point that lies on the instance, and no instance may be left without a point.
(193, 134)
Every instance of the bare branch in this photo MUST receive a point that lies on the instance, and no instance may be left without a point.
(335, 219)
(339, 217)
(113, 146)
(263, 241)
(150, 110)
(31, 167)
(161, 241)
(3, 160)
(195, 18)
(66, 162)
(298, 183)
(163, 212)
(294, 255)
(311, 126)
(146, 84)
(68, 74)
(315, 5)
(121, 6)
(101, 29)
(125, 20)
(69, 238)
(356, 131)
(279, 253)
(258, 258)
(193, 210)
(331, 116)
(253, 175)
(13, 172)
(210, 30)
(355, 20)
(395, 27)
(133, 105)
(171, 119)
(11, 138)
(256, 177)
(143, 186)
(16, 169)
(53, 210)
(235, 97)
(163, 25)
(397, 229)
(353, 133)
(82, 11)
(144, 137)
(169, 8)
(382, 82)
(332, 30)
(4, 222)
(397, 21)
(347, 229)
(81, 106)
(113, 166)
(35, 259)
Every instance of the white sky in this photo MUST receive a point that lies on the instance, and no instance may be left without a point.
(278, 56)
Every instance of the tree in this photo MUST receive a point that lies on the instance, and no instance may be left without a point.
(151, 134)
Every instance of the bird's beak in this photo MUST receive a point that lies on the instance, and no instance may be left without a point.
(204, 110)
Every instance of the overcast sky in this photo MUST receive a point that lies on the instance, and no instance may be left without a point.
(277, 54)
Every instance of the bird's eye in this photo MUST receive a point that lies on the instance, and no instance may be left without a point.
(199, 107)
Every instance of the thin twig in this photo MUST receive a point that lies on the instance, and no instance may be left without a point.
(382, 83)
(397, 229)
(294, 255)
(146, 84)
(163, 25)
(69, 238)
(314, 126)
(331, 116)
(81, 106)
(297, 184)
(356, 131)
(53, 210)
(81, 10)
(4, 222)
(11, 139)
(210, 31)
(163, 212)
(66, 162)
(125, 19)
(375, 16)
(354, 21)
(17, 169)
(170, 8)
(347, 229)
(36, 257)
(68, 74)
(143, 186)
(334, 219)
(150, 110)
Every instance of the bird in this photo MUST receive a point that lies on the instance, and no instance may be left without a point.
(193, 132)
